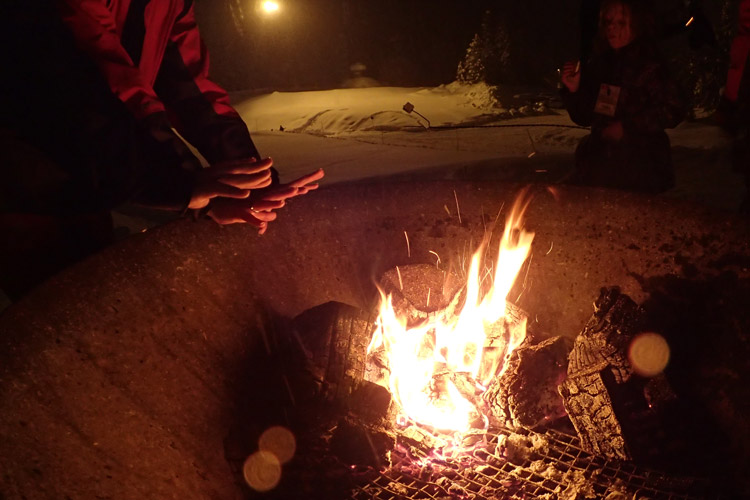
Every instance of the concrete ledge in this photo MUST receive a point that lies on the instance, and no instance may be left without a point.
(118, 377)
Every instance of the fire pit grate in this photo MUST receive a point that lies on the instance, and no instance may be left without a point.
(558, 466)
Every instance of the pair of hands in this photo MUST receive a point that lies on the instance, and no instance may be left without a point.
(225, 189)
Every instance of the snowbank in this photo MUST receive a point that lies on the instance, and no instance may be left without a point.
(345, 111)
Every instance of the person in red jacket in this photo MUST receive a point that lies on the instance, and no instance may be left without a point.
(734, 110)
(92, 94)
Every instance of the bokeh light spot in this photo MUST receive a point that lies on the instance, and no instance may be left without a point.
(648, 354)
(270, 6)
(279, 441)
(262, 471)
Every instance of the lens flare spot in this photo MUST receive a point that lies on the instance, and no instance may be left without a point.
(270, 6)
(262, 471)
(649, 354)
(279, 441)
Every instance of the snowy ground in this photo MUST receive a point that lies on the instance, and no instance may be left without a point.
(362, 133)
(454, 132)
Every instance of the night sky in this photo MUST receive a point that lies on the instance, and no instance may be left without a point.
(310, 44)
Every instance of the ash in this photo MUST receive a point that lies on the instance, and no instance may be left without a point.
(521, 465)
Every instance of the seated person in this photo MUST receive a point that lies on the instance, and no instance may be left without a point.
(627, 97)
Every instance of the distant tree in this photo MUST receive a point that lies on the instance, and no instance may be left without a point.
(703, 70)
(487, 58)
(472, 68)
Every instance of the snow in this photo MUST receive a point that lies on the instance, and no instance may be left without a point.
(456, 130)
(345, 111)
(498, 134)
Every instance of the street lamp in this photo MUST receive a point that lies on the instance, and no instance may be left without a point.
(270, 6)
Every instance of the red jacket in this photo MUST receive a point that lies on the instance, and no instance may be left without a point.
(739, 53)
(153, 59)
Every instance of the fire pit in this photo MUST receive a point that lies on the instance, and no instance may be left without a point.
(123, 376)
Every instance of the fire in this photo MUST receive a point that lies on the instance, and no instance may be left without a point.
(438, 369)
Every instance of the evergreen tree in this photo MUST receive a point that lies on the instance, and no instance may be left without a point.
(472, 69)
(487, 58)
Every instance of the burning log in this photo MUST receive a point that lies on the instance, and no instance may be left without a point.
(421, 290)
(525, 394)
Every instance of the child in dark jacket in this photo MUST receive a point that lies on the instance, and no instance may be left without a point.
(627, 97)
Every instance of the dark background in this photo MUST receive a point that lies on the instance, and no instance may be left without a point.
(311, 44)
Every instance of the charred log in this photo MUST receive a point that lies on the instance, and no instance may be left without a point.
(335, 337)
(356, 443)
(599, 352)
(616, 413)
(525, 394)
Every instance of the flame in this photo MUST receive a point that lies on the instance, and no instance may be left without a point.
(427, 360)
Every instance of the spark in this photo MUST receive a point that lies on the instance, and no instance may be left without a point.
(400, 281)
(428, 296)
(437, 256)
(525, 278)
(289, 390)
(554, 192)
(408, 248)
(551, 244)
(578, 68)
(531, 140)
(690, 21)
(447, 209)
(458, 209)
(497, 217)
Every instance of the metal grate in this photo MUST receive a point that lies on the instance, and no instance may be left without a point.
(557, 468)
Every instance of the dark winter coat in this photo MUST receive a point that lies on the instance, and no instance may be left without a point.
(645, 100)
(90, 93)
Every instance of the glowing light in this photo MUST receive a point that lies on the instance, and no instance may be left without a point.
(649, 354)
(428, 361)
(690, 21)
(269, 6)
(279, 441)
(262, 471)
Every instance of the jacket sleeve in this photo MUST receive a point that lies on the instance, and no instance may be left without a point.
(169, 185)
(580, 104)
(94, 29)
(198, 107)
(656, 102)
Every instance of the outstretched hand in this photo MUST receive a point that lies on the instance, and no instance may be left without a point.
(300, 186)
(258, 211)
(231, 179)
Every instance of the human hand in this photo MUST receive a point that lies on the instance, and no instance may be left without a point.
(259, 211)
(300, 186)
(230, 179)
(571, 75)
(613, 132)
(234, 211)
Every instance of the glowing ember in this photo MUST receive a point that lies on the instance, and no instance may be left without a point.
(438, 369)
